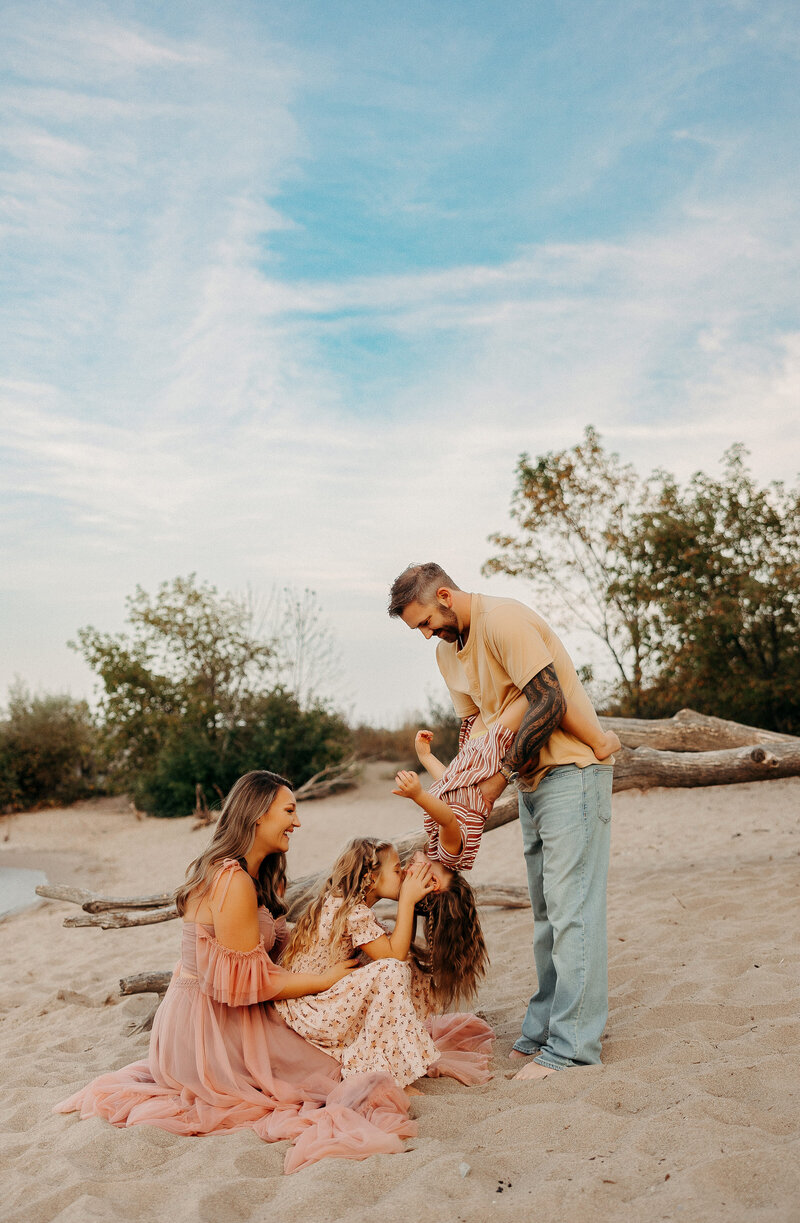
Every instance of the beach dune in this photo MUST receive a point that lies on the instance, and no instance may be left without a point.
(695, 1113)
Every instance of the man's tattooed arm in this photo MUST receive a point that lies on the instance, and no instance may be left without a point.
(546, 707)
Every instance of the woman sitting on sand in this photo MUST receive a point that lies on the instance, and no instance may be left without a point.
(218, 1058)
(387, 1015)
(221, 1060)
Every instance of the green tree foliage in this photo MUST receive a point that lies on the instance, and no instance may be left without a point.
(191, 695)
(695, 591)
(47, 751)
(723, 564)
(577, 512)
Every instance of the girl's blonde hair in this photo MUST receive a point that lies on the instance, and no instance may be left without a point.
(233, 837)
(455, 956)
(352, 875)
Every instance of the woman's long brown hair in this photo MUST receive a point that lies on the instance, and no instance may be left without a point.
(233, 837)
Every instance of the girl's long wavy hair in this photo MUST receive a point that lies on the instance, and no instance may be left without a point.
(351, 877)
(455, 956)
(233, 837)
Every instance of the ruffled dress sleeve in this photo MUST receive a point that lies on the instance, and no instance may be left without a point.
(235, 978)
(363, 926)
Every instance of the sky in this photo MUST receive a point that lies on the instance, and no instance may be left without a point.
(286, 289)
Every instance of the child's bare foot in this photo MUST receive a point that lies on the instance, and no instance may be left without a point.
(607, 745)
(412, 1091)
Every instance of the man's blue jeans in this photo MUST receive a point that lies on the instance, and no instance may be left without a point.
(566, 835)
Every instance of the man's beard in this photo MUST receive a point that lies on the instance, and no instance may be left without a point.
(449, 630)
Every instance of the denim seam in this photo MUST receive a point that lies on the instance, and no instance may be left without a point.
(583, 914)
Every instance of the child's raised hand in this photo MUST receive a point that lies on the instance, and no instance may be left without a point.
(407, 784)
(417, 881)
(422, 743)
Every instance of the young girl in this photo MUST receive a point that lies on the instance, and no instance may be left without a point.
(220, 1057)
(382, 1017)
(455, 809)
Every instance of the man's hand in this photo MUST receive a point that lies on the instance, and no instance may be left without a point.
(492, 788)
(407, 784)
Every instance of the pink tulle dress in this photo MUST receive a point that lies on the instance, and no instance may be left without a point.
(220, 1059)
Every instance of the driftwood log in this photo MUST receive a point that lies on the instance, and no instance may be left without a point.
(689, 749)
(689, 731)
(644, 767)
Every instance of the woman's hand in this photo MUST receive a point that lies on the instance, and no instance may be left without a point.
(337, 971)
(417, 882)
(407, 784)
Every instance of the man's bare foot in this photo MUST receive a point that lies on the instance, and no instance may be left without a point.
(517, 1053)
(534, 1071)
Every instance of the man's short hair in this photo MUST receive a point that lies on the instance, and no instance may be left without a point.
(416, 584)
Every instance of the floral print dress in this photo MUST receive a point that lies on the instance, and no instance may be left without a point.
(367, 1021)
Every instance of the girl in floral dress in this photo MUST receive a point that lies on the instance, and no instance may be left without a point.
(384, 1016)
(220, 1057)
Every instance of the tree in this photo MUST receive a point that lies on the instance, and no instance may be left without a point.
(47, 750)
(191, 696)
(722, 559)
(695, 592)
(577, 512)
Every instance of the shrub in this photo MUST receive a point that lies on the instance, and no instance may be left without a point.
(47, 751)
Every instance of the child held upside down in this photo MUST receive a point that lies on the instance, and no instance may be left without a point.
(454, 806)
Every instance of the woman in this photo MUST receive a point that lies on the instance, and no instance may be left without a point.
(221, 1060)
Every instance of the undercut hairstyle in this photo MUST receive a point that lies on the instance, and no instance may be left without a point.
(352, 875)
(233, 837)
(416, 584)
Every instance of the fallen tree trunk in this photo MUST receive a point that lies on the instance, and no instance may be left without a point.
(644, 767)
(689, 731)
(123, 920)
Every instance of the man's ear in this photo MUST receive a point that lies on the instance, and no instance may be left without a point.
(445, 596)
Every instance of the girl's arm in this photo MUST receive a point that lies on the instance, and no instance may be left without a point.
(429, 762)
(417, 883)
(236, 927)
(408, 785)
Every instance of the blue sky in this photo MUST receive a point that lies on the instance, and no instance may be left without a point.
(287, 288)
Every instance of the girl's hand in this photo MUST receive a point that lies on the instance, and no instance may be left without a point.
(337, 971)
(422, 743)
(407, 784)
(417, 882)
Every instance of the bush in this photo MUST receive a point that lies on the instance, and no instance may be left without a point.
(192, 696)
(381, 743)
(47, 751)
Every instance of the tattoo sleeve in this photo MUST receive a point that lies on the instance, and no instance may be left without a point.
(546, 707)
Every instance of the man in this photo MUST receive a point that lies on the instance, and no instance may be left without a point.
(489, 651)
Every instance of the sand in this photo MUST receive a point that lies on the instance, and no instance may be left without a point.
(695, 1114)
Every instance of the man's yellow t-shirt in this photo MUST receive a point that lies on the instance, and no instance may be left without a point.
(508, 644)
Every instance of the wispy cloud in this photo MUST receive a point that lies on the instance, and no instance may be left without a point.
(181, 392)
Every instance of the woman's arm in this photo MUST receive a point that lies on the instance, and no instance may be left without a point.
(408, 785)
(236, 927)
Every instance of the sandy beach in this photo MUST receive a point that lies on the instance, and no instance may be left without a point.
(695, 1114)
